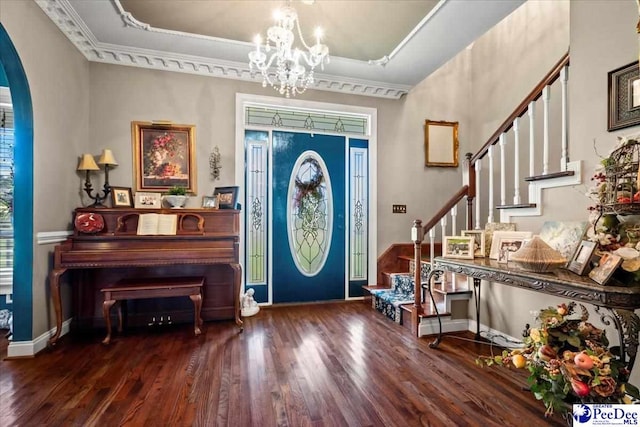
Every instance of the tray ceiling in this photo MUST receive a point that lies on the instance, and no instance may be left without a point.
(377, 47)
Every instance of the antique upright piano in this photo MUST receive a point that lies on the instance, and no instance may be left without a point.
(109, 249)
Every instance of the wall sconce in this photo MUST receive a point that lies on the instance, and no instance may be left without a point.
(214, 163)
(88, 164)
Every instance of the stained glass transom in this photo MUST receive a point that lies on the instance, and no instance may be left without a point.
(311, 121)
(309, 213)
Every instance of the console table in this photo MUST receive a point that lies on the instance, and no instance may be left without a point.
(613, 303)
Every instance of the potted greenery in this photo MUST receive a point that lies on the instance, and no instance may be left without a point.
(176, 196)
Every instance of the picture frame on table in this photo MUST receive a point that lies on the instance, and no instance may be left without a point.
(210, 202)
(606, 267)
(227, 197)
(581, 258)
(163, 156)
(121, 197)
(458, 247)
(624, 97)
(478, 242)
(510, 241)
(492, 227)
(147, 200)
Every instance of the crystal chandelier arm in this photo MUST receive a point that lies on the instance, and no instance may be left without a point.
(264, 65)
(300, 35)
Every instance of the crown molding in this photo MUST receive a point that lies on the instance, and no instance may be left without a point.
(62, 13)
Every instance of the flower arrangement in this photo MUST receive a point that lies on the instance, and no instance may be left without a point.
(615, 189)
(569, 361)
(161, 155)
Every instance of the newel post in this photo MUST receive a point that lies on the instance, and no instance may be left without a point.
(471, 191)
(417, 235)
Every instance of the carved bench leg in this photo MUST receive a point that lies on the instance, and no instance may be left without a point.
(119, 317)
(197, 305)
(106, 307)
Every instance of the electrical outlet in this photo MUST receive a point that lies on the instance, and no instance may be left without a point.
(399, 209)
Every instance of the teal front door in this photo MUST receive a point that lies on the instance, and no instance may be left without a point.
(308, 250)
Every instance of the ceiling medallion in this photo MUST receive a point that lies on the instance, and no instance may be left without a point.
(283, 66)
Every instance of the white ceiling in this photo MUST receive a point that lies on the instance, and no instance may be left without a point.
(377, 47)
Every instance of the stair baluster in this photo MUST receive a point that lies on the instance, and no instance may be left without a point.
(503, 167)
(454, 219)
(477, 169)
(531, 111)
(491, 203)
(516, 163)
(546, 96)
(564, 159)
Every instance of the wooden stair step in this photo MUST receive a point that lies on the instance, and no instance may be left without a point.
(517, 206)
(427, 310)
(549, 176)
(454, 284)
(375, 287)
(424, 259)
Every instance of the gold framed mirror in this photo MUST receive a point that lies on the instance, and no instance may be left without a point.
(441, 143)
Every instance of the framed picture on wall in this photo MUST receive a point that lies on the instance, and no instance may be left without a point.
(441, 143)
(163, 156)
(624, 97)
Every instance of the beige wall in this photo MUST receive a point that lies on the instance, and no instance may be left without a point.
(58, 77)
(120, 95)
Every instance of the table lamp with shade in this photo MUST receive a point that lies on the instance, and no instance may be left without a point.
(88, 164)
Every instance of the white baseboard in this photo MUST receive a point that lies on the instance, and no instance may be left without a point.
(429, 326)
(30, 348)
(499, 338)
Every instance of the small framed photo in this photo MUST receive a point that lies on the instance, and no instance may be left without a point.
(478, 242)
(121, 197)
(145, 200)
(508, 246)
(210, 202)
(458, 247)
(606, 267)
(510, 241)
(227, 197)
(580, 260)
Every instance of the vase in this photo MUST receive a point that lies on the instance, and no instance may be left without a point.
(175, 202)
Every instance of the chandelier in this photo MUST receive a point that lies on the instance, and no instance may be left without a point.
(283, 66)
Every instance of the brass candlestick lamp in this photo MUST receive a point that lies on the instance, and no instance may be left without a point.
(88, 164)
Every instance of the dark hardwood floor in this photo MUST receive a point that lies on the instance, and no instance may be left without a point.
(339, 364)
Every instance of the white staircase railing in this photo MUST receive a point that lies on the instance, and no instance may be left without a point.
(509, 136)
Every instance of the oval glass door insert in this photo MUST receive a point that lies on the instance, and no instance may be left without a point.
(309, 213)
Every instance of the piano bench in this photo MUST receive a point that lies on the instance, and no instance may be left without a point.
(161, 287)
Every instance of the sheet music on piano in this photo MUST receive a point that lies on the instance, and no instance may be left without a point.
(153, 224)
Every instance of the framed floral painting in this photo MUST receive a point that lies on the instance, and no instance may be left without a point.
(163, 156)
